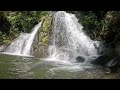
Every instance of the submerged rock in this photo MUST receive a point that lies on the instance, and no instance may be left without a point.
(80, 59)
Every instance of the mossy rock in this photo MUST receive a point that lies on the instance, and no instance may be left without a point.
(44, 40)
(40, 44)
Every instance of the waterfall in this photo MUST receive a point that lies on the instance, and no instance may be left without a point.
(69, 40)
(22, 45)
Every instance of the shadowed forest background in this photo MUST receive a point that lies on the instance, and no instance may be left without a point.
(99, 25)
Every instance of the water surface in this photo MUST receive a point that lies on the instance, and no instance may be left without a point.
(20, 67)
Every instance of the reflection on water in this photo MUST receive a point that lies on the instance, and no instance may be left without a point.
(19, 67)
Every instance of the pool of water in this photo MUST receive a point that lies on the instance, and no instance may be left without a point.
(20, 67)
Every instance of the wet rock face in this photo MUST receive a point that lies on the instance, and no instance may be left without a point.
(2, 48)
(80, 59)
(39, 50)
(114, 64)
(110, 61)
(41, 40)
(102, 60)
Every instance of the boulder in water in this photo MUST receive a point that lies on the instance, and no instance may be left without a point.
(104, 59)
(101, 60)
(80, 59)
(108, 61)
(114, 64)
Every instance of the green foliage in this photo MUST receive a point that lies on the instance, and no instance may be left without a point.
(47, 23)
(44, 40)
(46, 27)
(12, 23)
(92, 24)
(90, 21)
(111, 27)
(25, 20)
(100, 25)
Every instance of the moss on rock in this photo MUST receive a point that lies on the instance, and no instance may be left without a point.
(40, 45)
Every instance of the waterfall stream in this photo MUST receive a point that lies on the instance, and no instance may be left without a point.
(22, 45)
(67, 43)
(69, 40)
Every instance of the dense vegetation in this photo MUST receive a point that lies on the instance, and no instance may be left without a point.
(100, 25)
(12, 23)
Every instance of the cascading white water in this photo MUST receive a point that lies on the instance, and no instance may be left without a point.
(22, 45)
(27, 48)
(69, 40)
